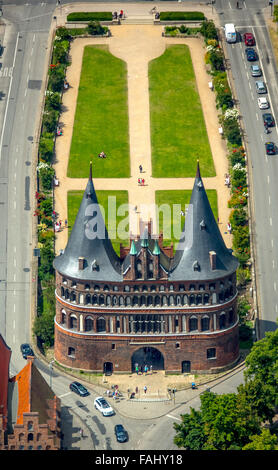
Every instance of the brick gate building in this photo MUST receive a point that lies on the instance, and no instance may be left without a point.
(177, 313)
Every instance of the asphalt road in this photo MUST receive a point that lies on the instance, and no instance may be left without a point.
(25, 41)
(264, 169)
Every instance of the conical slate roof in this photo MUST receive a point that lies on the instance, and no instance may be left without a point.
(89, 240)
(200, 241)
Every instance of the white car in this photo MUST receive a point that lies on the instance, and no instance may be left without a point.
(263, 103)
(104, 407)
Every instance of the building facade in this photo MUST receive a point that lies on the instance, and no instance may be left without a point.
(173, 312)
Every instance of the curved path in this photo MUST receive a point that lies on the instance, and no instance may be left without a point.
(137, 45)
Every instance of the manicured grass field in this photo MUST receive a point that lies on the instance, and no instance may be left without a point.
(171, 221)
(114, 199)
(101, 117)
(178, 131)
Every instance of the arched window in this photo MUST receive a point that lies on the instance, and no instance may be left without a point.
(100, 326)
(87, 299)
(199, 299)
(171, 300)
(135, 300)
(157, 301)
(106, 288)
(150, 300)
(206, 299)
(192, 299)
(222, 320)
(101, 299)
(63, 316)
(205, 323)
(121, 299)
(108, 300)
(73, 322)
(128, 301)
(94, 300)
(62, 291)
(193, 324)
(89, 324)
(138, 269)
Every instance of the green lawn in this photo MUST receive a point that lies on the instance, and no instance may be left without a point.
(101, 117)
(178, 131)
(112, 218)
(170, 220)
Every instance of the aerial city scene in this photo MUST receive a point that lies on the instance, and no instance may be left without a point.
(138, 233)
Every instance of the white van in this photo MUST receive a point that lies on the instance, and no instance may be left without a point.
(230, 32)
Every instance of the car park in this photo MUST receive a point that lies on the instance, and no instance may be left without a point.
(260, 87)
(256, 70)
(249, 39)
(101, 405)
(270, 148)
(26, 350)
(121, 433)
(251, 54)
(263, 103)
(268, 119)
(79, 389)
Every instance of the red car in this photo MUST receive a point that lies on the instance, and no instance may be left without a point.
(249, 39)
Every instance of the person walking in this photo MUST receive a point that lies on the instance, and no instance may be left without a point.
(145, 389)
(81, 432)
(140, 168)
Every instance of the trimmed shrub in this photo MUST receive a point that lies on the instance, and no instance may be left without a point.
(95, 29)
(49, 121)
(182, 16)
(56, 78)
(46, 174)
(90, 16)
(53, 101)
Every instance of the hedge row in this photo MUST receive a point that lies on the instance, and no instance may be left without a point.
(90, 16)
(182, 16)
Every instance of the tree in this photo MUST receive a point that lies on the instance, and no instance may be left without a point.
(261, 376)
(224, 422)
(263, 441)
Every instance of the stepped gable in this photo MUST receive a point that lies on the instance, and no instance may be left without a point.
(151, 244)
(89, 255)
(202, 253)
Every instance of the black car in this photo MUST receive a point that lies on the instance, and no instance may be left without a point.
(120, 432)
(79, 389)
(251, 55)
(268, 119)
(26, 350)
(270, 148)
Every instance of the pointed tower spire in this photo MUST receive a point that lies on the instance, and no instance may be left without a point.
(200, 238)
(89, 253)
(133, 250)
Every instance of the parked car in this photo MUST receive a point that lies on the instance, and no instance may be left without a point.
(268, 119)
(26, 350)
(270, 148)
(251, 54)
(263, 103)
(121, 433)
(249, 39)
(256, 70)
(260, 87)
(101, 405)
(79, 389)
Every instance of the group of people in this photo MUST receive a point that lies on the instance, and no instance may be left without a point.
(59, 131)
(141, 181)
(102, 155)
(144, 369)
(116, 15)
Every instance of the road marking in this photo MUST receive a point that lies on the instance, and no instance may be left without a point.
(34, 37)
(268, 179)
(252, 96)
(257, 116)
(272, 243)
(8, 99)
(270, 220)
(14, 320)
(174, 417)
(14, 262)
(249, 85)
(14, 204)
(14, 277)
(273, 264)
(64, 395)
(274, 286)
(25, 92)
(269, 200)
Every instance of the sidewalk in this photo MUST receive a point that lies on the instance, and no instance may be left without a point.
(146, 407)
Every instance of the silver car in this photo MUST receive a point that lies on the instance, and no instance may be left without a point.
(104, 407)
(256, 71)
(260, 87)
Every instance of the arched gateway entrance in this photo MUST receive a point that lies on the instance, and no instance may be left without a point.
(147, 356)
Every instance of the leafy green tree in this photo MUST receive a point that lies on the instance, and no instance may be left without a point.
(208, 30)
(46, 147)
(190, 433)
(50, 119)
(261, 376)
(53, 101)
(224, 422)
(264, 441)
